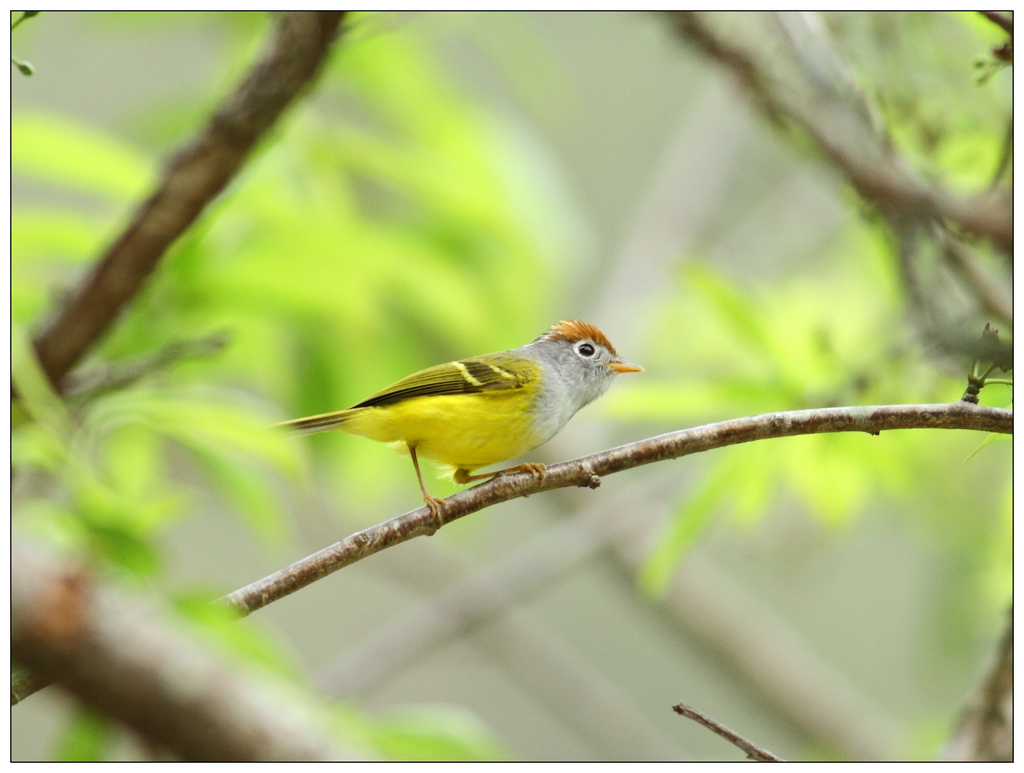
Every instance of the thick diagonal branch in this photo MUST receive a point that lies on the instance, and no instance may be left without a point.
(125, 660)
(194, 177)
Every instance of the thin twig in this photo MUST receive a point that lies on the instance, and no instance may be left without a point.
(752, 751)
(586, 472)
(96, 378)
(1004, 157)
(992, 294)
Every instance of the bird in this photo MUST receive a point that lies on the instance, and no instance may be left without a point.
(482, 410)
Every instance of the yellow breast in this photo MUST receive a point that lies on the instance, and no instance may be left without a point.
(465, 430)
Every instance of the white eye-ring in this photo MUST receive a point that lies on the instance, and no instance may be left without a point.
(585, 349)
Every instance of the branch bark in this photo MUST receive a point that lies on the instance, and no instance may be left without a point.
(194, 177)
(587, 470)
(119, 657)
(1004, 22)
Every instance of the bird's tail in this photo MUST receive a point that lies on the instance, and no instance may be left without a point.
(313, 424)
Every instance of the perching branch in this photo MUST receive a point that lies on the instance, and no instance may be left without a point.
(123, 659)
(587, 470)
(194, 177)
(752, 751)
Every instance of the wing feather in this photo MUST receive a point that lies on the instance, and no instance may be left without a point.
(452, 378)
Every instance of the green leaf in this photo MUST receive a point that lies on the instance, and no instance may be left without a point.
(74, 156)
(968, 157)
(436, 732)
(130, 457)
(24, 67)
(51, 522)
(989, 439)
(122, 547)
(219, 623)
(207, 425)
(686, 525)
(58, 235)
(826, 474)
(36, 395)
(118, 527)
(35, 446)
(231, 443)
(218, 425)
(88, 737)
(730, 304)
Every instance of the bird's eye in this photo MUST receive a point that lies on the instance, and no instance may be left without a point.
(585, 349)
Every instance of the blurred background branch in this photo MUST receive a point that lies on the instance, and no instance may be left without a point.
(795, 74)
(810, 87)
(193, 178)
(985, 730)
(120, 658)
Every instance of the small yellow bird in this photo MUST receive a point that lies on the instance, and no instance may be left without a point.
(480, 411)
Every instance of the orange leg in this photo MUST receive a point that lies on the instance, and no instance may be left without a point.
(436, 505)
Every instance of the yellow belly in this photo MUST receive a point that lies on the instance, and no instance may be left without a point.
(465, 431)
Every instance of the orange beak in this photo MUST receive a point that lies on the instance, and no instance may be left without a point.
(624, 367)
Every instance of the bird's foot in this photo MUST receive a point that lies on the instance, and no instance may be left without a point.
(437, 510)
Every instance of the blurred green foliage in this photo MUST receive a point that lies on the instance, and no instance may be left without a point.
(88, 737)
(941, 123)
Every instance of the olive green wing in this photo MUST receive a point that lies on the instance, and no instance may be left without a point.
(491, 372)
